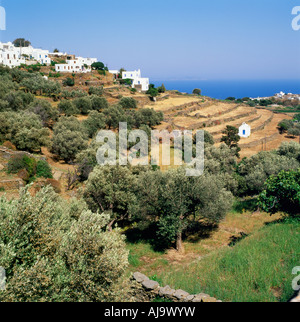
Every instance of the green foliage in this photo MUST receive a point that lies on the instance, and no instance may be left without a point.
(290, 150)
(47, 113)
(24, 130)
(73, 94)
(21, 42)
(69, 82)
(128, 103)
(282, 193)
(83, 104)
(94, 123)
(69, 138)
(111, 189)
(98, 66)
(251, 271)
(294, 131)
(98, 103)
(186, 199)
(68, 108)
(126, 81)
(96, 90)
(147, 116)
(153, 92)
(68, 144)
(285, 125)
(20, 162)
(43, 169)
(258, 168)
(197, 91)
(39, 85)
(161, 89)
(231, 138)
(114, 115)
(55, 251)
(18, 100)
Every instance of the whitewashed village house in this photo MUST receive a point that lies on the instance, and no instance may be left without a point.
(139, 83)
(12, 56)
(76, 65)
(245, 130)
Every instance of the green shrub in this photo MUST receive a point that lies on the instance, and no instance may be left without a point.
(43, 169)
(96, 90)
(69, 82)
(128, 102)
(54, 251)
(20, 162)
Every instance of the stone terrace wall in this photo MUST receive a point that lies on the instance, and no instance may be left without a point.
(148, 290)
(6, 153)
(13, 184)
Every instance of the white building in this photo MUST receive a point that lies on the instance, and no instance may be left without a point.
(245, 130)
(15, 56)
(76, 65)
(141, 84)
(87, 61)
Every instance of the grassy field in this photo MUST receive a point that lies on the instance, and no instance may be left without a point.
(248, 258)
(258, 269)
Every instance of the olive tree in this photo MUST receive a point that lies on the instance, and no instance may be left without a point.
(24, 130)
(111, 189)
(69, 138)
(58, 251)
(94, 123)
(175, 200)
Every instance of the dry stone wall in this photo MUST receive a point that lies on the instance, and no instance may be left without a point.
(147, 290)
(13, 184)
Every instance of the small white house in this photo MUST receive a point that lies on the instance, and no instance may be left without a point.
(245, 130)
(132, 75)
(72, 66)
(138, 82)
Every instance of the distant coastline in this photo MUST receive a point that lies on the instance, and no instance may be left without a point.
(221, 89)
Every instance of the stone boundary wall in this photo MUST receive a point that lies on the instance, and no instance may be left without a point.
(179, 108)
(6, 153)
(259, 128)
(150, 290)
(256, 118)
(199, 116)
(221, 121)
(199, 106)
(13, 184)
(257, 142)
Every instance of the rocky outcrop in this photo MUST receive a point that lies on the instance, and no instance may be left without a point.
(146, 290)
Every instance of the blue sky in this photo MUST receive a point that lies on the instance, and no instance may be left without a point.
(167, 39)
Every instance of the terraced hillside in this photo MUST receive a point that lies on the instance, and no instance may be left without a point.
(193, 113)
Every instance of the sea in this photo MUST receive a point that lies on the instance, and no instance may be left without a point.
(222, 89)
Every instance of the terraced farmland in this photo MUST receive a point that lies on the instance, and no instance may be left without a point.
(193, 113)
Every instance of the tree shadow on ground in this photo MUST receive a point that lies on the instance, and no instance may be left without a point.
(243, 205)
(197, 231)
(236, 239)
